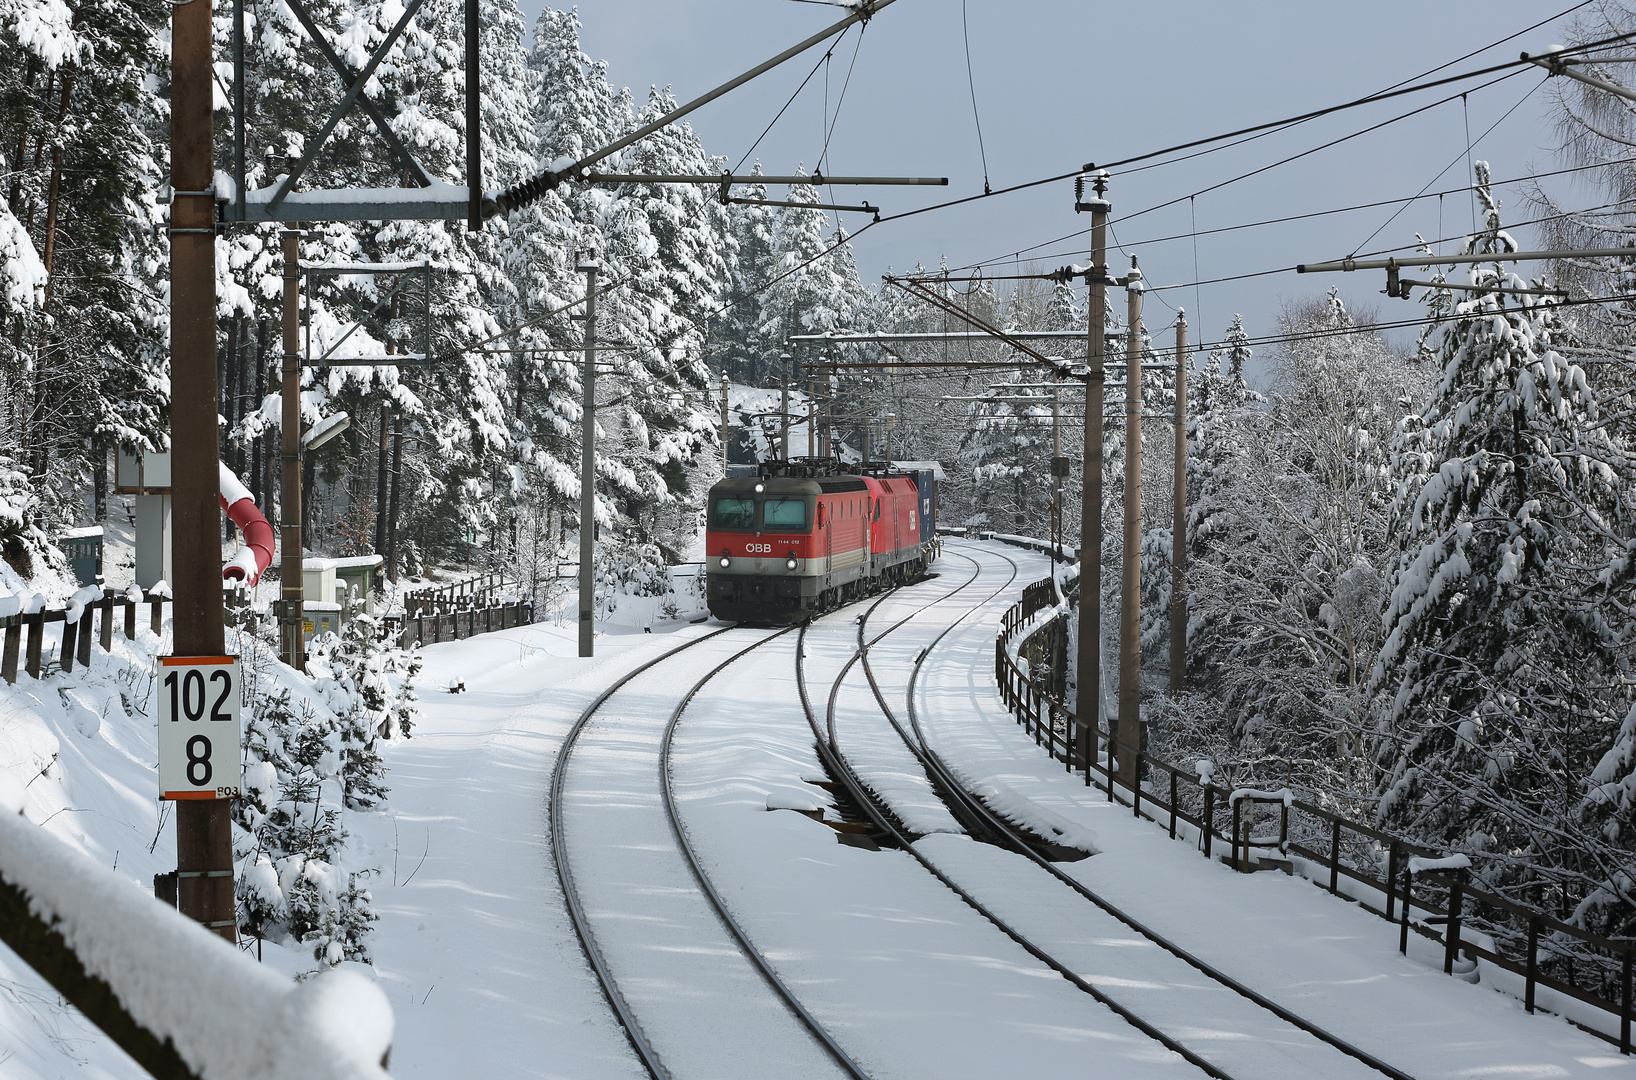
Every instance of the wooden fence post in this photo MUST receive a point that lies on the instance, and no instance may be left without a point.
(83, 654)
(156, 620)
(107, 624)
(36, 642)
(1451, 934)
(14, 640)
(130, 620)
(69, 630)
(1173, 804)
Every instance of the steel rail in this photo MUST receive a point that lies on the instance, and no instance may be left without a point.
(862, 619)
(817, 1029)
(973, 822)
(882, 820)
(945, 778)
(565, 876)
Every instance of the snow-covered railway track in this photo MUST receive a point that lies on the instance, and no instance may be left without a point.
(886, 820)
(685, 980)
(1051, 922)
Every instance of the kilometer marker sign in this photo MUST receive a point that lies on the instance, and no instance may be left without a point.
(200, 727)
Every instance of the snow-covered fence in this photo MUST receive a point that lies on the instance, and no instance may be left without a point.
(77, 616)
(427, 629)
(1382, 874)
(178, 999)
(484, 590)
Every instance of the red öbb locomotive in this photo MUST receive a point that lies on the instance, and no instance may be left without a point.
(805, 536)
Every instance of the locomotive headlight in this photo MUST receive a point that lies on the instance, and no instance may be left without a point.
(760, 488)
(725, 562)
(790, 562)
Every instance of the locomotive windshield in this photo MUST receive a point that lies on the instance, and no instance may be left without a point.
(784, 514)
(736, 514)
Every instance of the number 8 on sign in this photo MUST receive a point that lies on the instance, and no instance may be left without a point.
(200, 729)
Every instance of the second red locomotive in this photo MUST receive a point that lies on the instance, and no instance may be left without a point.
(803, 537)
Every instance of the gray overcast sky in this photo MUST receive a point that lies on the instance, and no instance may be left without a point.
(1060, 83)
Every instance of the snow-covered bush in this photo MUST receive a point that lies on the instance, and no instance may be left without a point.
(369, 685)
(289, 889)
(32, 562)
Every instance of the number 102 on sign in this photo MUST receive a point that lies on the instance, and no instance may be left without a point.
(200, 727)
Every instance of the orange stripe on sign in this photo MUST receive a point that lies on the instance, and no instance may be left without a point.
(190, 794)
(193, 661)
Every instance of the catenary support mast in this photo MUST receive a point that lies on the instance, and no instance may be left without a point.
(204, 836)
(1178, 518)
(1129, 739)
(1088, 692)
(587, 468)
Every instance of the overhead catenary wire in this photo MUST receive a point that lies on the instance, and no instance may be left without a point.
(1194, 234)
(971, 83)
(1310, 114)
(1469, 169)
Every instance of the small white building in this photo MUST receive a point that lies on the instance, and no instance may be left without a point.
(344, 583)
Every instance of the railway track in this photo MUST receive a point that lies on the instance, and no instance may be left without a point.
(629, 730)
(942, 858)
(617, 739)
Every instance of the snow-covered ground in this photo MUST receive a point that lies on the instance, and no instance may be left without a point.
(487, 977)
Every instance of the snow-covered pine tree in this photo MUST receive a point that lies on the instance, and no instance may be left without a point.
(82, 358)
(1501, 679)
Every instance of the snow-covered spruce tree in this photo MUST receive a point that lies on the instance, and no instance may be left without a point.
(747, 355)
(290, 888)
(1287, 538)
(1007, 449)
(1503, 679)
(82, 125)
(369, 686)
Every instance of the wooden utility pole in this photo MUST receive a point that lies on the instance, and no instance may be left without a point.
(812, 414)
(1088, 692)
(1178, 526)
(587, 468)
(292, 646)
(204, 828)
(1129, 737)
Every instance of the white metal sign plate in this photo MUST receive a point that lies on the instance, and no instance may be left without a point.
(200, 727)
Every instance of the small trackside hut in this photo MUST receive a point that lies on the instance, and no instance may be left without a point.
(808, 535)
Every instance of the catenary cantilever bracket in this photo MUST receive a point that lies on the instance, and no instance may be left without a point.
(354, 96)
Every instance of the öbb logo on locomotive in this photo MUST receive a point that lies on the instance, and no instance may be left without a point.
(838, 532)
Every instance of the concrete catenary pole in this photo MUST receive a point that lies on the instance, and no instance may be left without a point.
(1178, 526)
(1129, 738)
(587, 468)
(784, 408)
(812, 413)
(292, 647)
(726, 423)
(1056, 480)
(204, 831)
(1088, 699)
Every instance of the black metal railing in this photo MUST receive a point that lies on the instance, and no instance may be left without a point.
(1347, 857)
